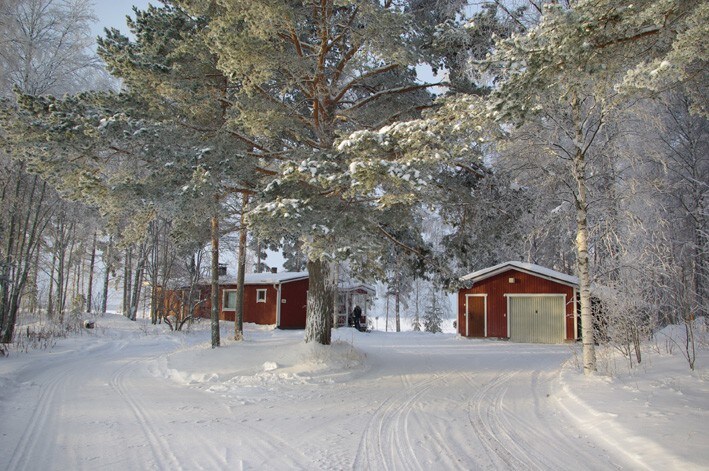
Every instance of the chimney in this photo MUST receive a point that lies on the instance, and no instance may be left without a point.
(222, 269)
(274, 270)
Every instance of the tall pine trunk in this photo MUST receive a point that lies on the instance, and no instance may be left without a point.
(241, 273)
(137, 284)
(66, 269)
(106, 277)
(127, 277)
(50, 295)
(318, 325)
(92, 263)
(397, 304)
(215, 281)
(155, 296)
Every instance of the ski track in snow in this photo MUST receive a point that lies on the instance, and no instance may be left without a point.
(517, 439)
(386, 438)
(483, 410)
(52, 387)
(159, 447)
(509, 419)
(26, 446)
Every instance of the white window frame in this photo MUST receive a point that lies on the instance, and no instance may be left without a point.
(224, 299)
(258, 295)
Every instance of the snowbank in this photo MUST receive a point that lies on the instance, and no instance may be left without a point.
(657, 414)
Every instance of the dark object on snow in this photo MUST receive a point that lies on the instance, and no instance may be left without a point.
(89, 324)
(357, 317)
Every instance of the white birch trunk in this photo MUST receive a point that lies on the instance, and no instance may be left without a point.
(589, 351)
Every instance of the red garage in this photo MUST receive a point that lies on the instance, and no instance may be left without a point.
(520, 301)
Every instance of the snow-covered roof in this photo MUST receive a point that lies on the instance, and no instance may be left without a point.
(267, 278)
(356, 286)
(522, 266)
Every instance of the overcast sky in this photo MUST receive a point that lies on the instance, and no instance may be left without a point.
(112, 13)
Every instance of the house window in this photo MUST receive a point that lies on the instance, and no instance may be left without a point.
(260, 295)
(229, 301)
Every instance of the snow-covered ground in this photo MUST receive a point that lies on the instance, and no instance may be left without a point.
(134, 396)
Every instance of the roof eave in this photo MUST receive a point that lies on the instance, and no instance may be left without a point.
(485, 275)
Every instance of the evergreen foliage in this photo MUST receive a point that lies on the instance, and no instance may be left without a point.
(307, 76)
(433, 315)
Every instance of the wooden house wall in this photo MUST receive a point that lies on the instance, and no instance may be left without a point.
(257, 313)
(260, 313)
(293, 310)
(498, 285)
(174, 302)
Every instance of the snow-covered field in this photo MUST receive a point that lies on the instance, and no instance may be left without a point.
(134, 396)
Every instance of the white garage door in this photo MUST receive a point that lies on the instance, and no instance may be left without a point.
(537, 319)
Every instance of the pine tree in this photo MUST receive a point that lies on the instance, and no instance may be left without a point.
(169, 66)
(433, 315)
(307, 76)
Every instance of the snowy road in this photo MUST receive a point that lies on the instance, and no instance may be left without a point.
(472, 405)
(394, 402)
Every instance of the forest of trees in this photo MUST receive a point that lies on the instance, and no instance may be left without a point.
(404, 141)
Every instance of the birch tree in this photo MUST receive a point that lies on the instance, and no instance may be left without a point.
(44, 48)
(565, 71)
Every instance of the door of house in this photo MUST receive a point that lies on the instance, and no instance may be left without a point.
(475, 313)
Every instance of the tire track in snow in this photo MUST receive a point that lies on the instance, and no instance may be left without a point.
(272, 446)
(388, 427)
(506, 446)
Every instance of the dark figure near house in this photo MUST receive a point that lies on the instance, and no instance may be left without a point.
(357, 314)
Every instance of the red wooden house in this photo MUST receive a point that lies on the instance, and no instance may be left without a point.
(278, 299)
(269, 299)
(520, 301)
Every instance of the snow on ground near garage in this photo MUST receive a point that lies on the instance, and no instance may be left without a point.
(134, 396)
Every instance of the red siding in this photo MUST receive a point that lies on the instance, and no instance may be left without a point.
(497, 286)
(260, 313)
(294, 308)
(203, 309)
(256, 313)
